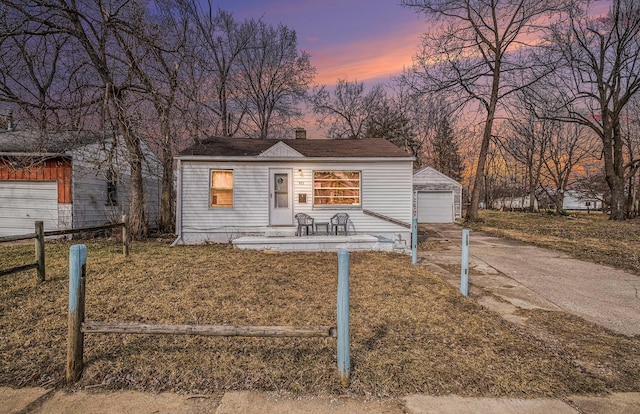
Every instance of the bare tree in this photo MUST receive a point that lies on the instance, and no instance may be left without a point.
(472, 52)
(630, 125)
(35, 81)
(216, 103)
(91, 26)
(525, 139)
(275, 77)
(568, 146)
(154, 47)
(392, 122)
(600, 75)
(348, 109)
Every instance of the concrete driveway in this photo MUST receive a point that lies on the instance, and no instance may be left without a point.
(531, 277)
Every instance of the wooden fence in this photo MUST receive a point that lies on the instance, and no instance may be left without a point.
(78, 326)
(40, 234)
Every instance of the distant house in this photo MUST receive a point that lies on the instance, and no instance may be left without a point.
(233, 187)
(516, 203)
(438, 198)
(577, 200)
(68, 180)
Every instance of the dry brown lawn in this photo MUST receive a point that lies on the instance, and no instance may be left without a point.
(411, 331)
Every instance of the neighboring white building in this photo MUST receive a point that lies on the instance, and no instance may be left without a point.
(233, 187)
(69, 181)
(438, 197)
(576, 200)
(513, 203)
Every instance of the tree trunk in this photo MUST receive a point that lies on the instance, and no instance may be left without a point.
(166, 197)
(137, 218)
(613, 165)
(472, 212)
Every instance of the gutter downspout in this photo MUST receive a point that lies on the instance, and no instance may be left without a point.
(178, 206)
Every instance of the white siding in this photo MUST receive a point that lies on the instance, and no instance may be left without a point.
(386, 190)
(22, 203)
(90, 207)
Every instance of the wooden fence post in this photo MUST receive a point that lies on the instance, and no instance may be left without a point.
(40, 251)
(75, 340)
(344, 352)
(464, 268)
(125, 235)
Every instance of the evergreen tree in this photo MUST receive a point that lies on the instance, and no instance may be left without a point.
(444, 151)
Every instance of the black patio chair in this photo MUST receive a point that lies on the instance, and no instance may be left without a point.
(340, 220)
(304, 221)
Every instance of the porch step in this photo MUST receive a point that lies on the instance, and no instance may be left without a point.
(280, 231)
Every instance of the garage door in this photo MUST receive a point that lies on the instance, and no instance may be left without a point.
(24, 202)
(435, 207)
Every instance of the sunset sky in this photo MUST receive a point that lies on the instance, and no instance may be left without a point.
(364, 40)
(360, 40)
(357, 40)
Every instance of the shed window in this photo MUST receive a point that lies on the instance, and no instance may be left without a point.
(340, 188)
(221, 191)
(112, 189)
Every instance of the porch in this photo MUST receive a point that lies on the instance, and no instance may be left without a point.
(319, 243)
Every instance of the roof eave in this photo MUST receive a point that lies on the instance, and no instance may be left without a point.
(289, 159)
(33, 154)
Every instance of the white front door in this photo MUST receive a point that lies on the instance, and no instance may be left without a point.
(280, 197)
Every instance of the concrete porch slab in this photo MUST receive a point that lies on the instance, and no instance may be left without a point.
(315, 243)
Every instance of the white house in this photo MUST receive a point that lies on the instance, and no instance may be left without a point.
(577, 200)
(68, 181)
(438, 198)
(233, 187)
(513, 203)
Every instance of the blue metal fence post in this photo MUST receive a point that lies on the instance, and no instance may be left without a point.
(464, 272)
(75, 341)
(414, 240)
(344, 352)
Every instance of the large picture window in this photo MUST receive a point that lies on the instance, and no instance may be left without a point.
(340, 188)
(221, 192)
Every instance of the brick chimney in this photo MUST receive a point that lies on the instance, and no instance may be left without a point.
(301, 133)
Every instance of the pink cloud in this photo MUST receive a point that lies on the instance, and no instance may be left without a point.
(371, 59)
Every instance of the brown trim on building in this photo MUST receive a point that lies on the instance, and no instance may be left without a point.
(56, 169)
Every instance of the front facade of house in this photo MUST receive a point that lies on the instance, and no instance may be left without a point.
(74, 183)
(233, 187)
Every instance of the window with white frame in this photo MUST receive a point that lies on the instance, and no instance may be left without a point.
(336, 188)
(221, 191)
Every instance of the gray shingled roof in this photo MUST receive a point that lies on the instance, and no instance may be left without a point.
(348, 148)
(29, 142)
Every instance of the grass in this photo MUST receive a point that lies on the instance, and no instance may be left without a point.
(411, 331)
(590, 237)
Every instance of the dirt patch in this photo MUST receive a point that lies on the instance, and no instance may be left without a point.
(411, 331)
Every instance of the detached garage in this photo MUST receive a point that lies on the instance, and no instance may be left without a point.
(438, 198)
(68, 180)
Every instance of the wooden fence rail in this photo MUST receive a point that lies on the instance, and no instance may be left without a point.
(78, 327)
(40, 234)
